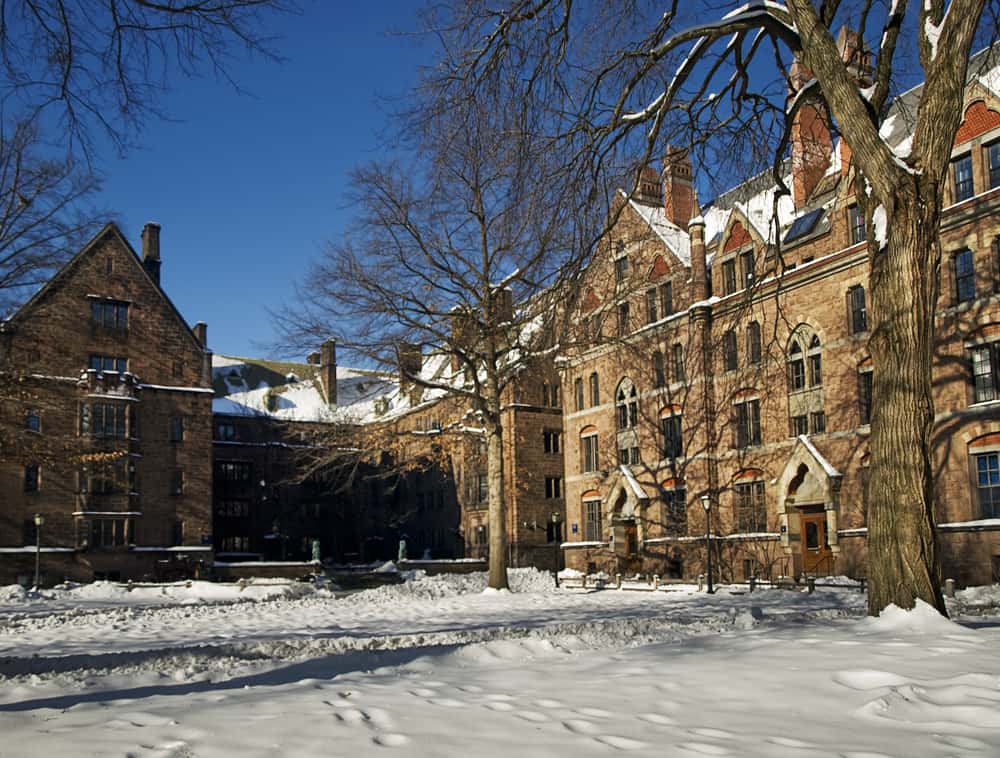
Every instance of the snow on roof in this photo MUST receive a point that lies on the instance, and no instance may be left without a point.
(294, 391)
(818, 456)
(676, 239)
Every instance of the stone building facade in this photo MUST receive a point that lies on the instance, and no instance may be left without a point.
(105, 417)
(726, 357)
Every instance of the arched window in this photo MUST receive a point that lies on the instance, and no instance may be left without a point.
(815, 357)
(627, 404)
(796, 367)
(595, 392)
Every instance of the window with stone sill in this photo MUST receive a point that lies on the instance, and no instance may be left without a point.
(32, 420)
(627, 405)
(987, 473)
(666, 299)
(593, 521)
(595, 390)
(672, 431)
(993, 164)
(578, 393)
(651, 306)
(856, 224)
(674, 505)
(729, 276)
(109, 314)
(751, 510)
(800, 425)
(588, 452)
(552, 441)
(677, 354)
(857, 312)
(659, 370)
(962, 176)
(985, 361)
(965, 276)
(730, 358)
(747, 423)
(753, 343)
(865, 396)
(621, 269)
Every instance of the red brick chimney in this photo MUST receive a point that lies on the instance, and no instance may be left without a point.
(328, 371)
(678, 191)
(410, 360)
(811, 141)
(151, 250)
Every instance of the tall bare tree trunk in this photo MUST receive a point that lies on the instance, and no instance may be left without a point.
(497, 507)
(903, 561)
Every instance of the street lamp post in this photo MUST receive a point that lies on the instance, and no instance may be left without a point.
(39, 520)
(706, 503)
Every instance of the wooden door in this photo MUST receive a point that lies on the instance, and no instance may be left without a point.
(816, 555)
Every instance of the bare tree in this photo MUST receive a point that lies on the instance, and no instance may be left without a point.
(99, 68)
(462, 251)
(653, 75)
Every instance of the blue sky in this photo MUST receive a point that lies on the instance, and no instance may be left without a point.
(247, 188)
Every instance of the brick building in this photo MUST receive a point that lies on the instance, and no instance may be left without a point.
(105, 417)
(726, 355)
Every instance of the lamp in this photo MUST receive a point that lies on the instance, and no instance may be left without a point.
(706, 503)
(39, 520)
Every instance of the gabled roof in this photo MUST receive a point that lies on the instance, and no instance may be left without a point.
(66, 271)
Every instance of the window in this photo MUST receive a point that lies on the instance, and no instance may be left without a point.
(993, 164)
(817, 420)
(588, 450)
(628, 456)
(31, 478)
(673, 438)
(856, 224)
(177, 482)
(235, 544)
(984, 373)
(666, 299)
(988, 484)
(857, 313)
(677, 353)
(748, 423)
(627, 405)
(103, 420)
(621, 269)
(225, 431)
(232, 472)
(729, 352)
(595, 390)
(753, 343)
(747, 268)
(551, 395)
(232, 509)
(674, 509)
(962, 172)
(800, 425)
(651, 314)
(594, 522)
(659, 371)
(32, 421)
(623, 319)
(108, 314)
(578, 393)
(965, 276)
(815, 357)
(107, 533)
(865, 396)
(796, 367)
(553, 487)
(483, 488)
(751, 511)
(108, 363)
(176, 429)
(552, 440)
(729, 276)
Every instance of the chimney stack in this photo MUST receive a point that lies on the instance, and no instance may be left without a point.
(699, 265)
(812, 145)
(201, 332)
(328, 371)
(410, 360)
(678, 190)
(151, 250)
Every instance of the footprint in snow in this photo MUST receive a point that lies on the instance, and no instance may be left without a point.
(597, 713)
(621, 743)
(499, 696)
(704, 748)
(422, 692)
(352, 716)
(446, 702)
(788, 742)
(580, 726)
(532, 716)
(718, 734)
(390, 740)
(548, 704)
(656, 718)
(500, 706)
(965, 743)
(471, 688)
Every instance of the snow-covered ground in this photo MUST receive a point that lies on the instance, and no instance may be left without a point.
(437, 667)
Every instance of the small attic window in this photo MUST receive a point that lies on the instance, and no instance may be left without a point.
(803, 225)
(109, 265)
